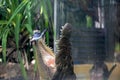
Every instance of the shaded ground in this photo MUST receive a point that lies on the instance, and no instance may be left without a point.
(12, 71)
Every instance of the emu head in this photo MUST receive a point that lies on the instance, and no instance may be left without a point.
(38, 35)
(46, 52)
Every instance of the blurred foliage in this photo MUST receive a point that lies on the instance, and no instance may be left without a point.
(78, 12)
(117, 47)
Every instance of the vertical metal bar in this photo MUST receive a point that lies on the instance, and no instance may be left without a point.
(55, 24)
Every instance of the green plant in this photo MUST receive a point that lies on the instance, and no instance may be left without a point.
(17, 23)
(13, 25)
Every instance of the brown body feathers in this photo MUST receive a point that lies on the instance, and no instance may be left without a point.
(64, 62)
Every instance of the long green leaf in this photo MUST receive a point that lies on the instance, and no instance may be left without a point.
(50, 7)
(45, 13)
(28, 12)
(29, 28)
(22, 66)
(20, 6)
(43, 5)
(35, 55)
(17, 30)
(4, 43)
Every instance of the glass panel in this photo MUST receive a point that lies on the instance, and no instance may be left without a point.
(96, 33)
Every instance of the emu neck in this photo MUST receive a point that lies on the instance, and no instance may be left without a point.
(43, 56)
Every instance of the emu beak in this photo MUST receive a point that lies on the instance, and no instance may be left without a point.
(37, 35)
